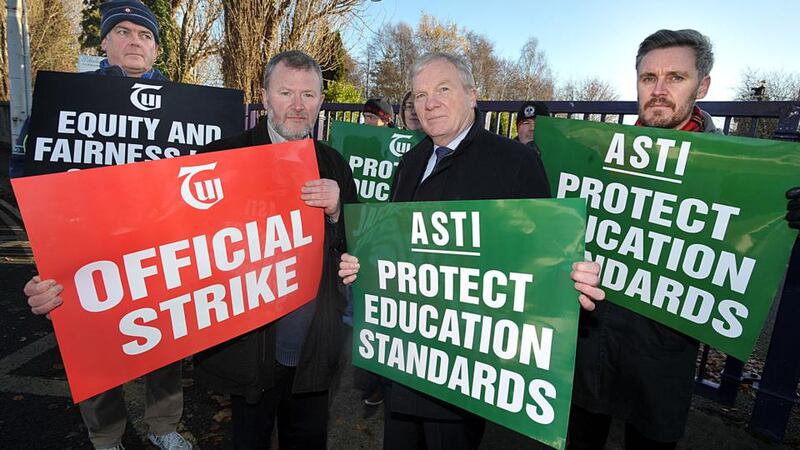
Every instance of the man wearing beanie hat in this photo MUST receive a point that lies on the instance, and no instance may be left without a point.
(378, 112)
(129, 33)
(526, 120)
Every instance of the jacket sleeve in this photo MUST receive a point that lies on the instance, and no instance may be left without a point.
(397, 172)
(347, 194)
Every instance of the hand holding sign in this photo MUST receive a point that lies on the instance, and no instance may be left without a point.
(348, 268)
(586, 276)
(322, 193)
(43, 296)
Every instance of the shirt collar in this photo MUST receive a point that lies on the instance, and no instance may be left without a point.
(452, 145)
(274, 136)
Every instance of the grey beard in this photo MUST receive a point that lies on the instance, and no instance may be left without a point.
(283, 131)
(288, 135)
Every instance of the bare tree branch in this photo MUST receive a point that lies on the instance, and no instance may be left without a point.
(197, 38)
(255, 30)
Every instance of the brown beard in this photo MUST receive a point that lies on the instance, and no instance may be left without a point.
(671, 121)
(660, 101)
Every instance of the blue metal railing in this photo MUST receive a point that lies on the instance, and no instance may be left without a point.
(777, 384)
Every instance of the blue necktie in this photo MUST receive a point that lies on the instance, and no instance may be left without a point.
(442, 153)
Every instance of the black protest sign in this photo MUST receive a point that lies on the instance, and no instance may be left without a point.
(80, 121)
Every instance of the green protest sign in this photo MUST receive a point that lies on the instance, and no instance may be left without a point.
(471, 302)
(373, 154)
(688, 227)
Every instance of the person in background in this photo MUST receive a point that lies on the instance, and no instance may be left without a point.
(129, 53)
(378, 112)
(526, 122)
(408, 115)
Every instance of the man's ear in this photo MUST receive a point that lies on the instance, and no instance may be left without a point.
(264, 98)
(702, 90)
(319, 106)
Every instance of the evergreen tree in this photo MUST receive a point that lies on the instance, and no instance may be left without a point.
(337, 69)
(90, 27)
(162, 9)
(343, 92)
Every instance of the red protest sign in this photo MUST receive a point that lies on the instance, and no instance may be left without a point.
(162, 259)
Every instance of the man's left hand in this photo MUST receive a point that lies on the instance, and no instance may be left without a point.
(793, 208)
(348, 268)
(322, 193)
(586, 276)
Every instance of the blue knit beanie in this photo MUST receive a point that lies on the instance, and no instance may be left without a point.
(134, 11)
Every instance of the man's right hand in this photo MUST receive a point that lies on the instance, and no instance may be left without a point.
(43, 296)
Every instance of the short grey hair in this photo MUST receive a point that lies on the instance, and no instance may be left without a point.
(693, 39)
(293, 59)
(459, 63)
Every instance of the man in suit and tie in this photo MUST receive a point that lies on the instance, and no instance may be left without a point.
(459, 160)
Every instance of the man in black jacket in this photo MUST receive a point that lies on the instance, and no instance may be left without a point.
(283, 370)
(628, 366)
(129, 37)
(459, 160)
